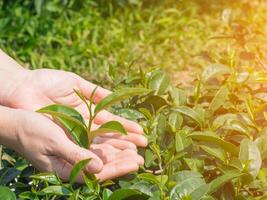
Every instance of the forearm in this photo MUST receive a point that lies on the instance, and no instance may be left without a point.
(11, 75)
(8, 126)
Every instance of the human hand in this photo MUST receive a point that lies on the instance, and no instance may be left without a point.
(39, 88)
(46, 146)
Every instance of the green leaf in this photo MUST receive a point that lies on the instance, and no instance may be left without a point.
(6, 193)
(106, 193)
(175, 121)
(123, 194)
(119, 96)
(159, 81)
(178, 96)
(227, 146)
(148, 177)
(66, 110)
(149, 157)
(217, 152)
(186, 187)
(48, 177)
(221, 180)
(184, 175)
(262, 146)
(109, 127)
(191, 113)
(181, 141)
(77, 168)
(129, 113)
(70, 119)
(213, 71)
(56, 190)
(250, 154)
(219, 99)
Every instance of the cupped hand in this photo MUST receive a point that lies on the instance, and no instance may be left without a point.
(46, 146)
(43, 87)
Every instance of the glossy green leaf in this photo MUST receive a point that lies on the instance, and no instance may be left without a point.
(109, 127)
(221, 180)
(159, 81)
(66, 110)
(227, 146)
(119, 96)
(219, 99)
(191, 113)
(175, 121)
(213, 71)
(250, 154)
(217, 152)
(181, 141)
(48, 177)
(148, 177)
(123, 194)
(69, 119)
(178, 96)
(57, 190)
(77, 168)
(184, 175)
(262, 145)
(186, 187)
(6, 193)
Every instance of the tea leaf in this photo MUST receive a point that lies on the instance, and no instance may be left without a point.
(250, 154)
(227, 146)
(56, 190)
(109, 127)
(119, 96)
(77, 168)
(69, 119)
(175, 121)
(56, 108)
(214, 151)
(191, 113)
(48, 177)
(221, 180)
(186, 187)
(6, 193)
(213, 71)
(159, 81)
(219, 99)
(122, 194)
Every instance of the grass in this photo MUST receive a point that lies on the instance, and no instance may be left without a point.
(96, 38)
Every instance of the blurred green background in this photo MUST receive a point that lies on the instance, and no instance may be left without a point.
(102, 39)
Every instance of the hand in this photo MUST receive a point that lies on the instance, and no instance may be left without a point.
(39, 88)
(47, 147)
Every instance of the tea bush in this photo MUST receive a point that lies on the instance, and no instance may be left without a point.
(206, 141)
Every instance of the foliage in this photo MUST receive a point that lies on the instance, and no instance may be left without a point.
(206, 141)
(204, 147)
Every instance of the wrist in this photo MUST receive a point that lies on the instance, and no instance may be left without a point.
(11, 76)
(9, 126)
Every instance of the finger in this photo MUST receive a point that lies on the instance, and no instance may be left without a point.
(138, 140)
(104, 151)
(117, 168)
(87, 88)
(119, 144)
(63, 169)
(72, 153)
(105, 116)
(127, 153)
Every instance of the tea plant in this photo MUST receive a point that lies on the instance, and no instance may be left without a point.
(209, 143)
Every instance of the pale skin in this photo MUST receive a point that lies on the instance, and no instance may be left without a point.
(42, 142)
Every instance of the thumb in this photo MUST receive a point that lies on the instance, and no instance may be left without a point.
(73, 153)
